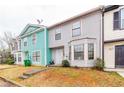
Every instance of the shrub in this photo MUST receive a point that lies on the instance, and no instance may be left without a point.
(65, 63)
(99, 64)
(10, 61)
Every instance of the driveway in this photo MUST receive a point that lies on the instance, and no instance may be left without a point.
(5, 84)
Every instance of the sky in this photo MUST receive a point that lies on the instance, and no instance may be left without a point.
(14, 18)
(16, 14)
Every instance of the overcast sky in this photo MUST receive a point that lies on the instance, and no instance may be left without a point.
(14, 18)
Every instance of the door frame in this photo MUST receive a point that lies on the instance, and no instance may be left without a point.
(117, 66)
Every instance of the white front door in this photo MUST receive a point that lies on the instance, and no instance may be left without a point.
(58, 56)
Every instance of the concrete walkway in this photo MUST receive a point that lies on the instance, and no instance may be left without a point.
(120, 71)
(121, 74)
(4, 83)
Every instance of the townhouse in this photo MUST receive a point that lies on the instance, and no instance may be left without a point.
(16, 50)
(34, 44)
(77, 39)
(97, 33)
(114, 36)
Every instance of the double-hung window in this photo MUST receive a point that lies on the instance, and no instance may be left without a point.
(76, 29)
(25, 42)
(58, 34)
(36, 56)
(118, 20)
(34, 39)
(19, 57)
(122, 18)
(79, 52)
(90, 51)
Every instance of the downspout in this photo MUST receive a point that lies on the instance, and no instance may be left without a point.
(45, 45)
(103, 33)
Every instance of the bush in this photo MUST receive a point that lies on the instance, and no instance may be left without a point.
(10, 61)
(99, 64)
(65, 63)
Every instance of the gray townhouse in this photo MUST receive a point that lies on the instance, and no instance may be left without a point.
(77, 39)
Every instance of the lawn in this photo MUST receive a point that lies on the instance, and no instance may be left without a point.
(65, 77)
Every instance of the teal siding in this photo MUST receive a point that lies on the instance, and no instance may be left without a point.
(39, 46)
(49, 53)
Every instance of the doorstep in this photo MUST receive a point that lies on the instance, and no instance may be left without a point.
(114, 69)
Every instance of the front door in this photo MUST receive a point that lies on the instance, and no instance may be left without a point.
(119, 56)
(59, 56)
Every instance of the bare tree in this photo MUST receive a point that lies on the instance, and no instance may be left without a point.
(7, 39)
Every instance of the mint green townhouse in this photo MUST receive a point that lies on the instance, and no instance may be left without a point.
(34, 45)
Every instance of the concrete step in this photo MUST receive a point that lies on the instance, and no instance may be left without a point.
(32, 72)
(23, 77)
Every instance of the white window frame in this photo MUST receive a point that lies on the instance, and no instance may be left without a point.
(58, 31)
(122, 18)
(25, 40)
(36, 56)
(76, 27)
(34, 40)
(90, 51)
(78, 51)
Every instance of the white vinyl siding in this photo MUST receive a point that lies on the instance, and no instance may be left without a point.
(76, 29)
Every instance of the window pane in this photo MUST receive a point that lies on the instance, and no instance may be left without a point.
(79, 52)
(76, 25)
(116, 22)
(69, 52)
(90, 51)
(58, 36)
(76, 32)
(122, 18)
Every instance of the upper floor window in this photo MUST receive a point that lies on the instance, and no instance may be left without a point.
(76, 29)
(90, 51)
(122, 18)
(34, 39)
(118, 20)
(79, 52)
(25, 42)
(58, 34)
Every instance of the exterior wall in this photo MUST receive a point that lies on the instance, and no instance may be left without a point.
(41, 45)
(90, 28)
(109, 33)
(109, 54)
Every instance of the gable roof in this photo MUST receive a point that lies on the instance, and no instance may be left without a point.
(79, 15)
(31, 28)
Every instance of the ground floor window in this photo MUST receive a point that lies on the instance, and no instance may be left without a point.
(90, 51)
(69, 52)
(79, 52)
(19, 57)
(36, 56)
